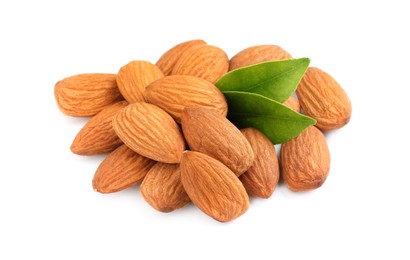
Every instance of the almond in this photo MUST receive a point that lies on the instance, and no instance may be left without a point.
(150, 131)
(204, 61)
(98, 136)
(263, 176)
(134, 77)
(210, 133)
(121, 169)
(168, 60)
(86, 94)
(292, 103)
(212, 187)
(162, 188)
(305, 160)
(174, 93)
(257, 54)
(322, 98)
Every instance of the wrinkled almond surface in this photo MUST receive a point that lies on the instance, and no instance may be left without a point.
(204, 61)
(150, 131)
(263, 176)
(212, 187)
(134, 77)
(257, 54)
(86, 94)
(162, 188)
(168, 60)
(98, 136)
(174, 93)
(121, 169)
(322, 98)
(210, 133)
(292, 103)
(305, 160)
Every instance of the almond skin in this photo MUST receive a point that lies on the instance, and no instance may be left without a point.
(86, 94)
(174, 93)
(150, 131)
(212, 187)
(204, 61)
(134, 77)
(121, 169)
(322, 98)
(292, 103)
(263, 176)
(257, 54)
(162, 188)
(210, 133)
(98, 136)
(168, 60)
(305, 160)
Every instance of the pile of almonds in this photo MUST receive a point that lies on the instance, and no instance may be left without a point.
(164, 125)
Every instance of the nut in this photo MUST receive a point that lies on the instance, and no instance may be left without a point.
(322, 98)
(174, 93)
(134, 77)
(86, 94)
(98, 136)
(257, 54)
(210, 133)
(212, 187)
(168, 60)
(263, 176)
(120, 170)
(162, 188)
(204, 61)
(150, 131)
(305, 160)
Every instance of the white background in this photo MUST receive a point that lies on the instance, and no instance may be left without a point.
(48, 209)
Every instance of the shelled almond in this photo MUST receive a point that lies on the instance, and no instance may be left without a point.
(172, 134)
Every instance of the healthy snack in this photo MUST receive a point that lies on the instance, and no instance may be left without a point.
(263, 176)
(189, 130)
(204, 61)
(210, 133)
(134, 77)
(174, 93)
(98, 135)
(121, 169)
(305, 160)
(257, 54)
(150, 131)
(86, 94)
(162, 188)
(168, 60)
(212, 187)
(322, 98)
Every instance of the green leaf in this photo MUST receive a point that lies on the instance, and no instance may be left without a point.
(276, 80)
(278, 122)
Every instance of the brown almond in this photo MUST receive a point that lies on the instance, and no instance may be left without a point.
(98, 136)
(210, 133)
(204, 61)
(168, 60)
(305, 160)
(263, 176)
(292, 103)
(322, 98)
(150, 131)
(212, 187)
(86, 94)
(174, 93)
(257, 54)
(121, 169)
(134, 77)
(162, 188)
